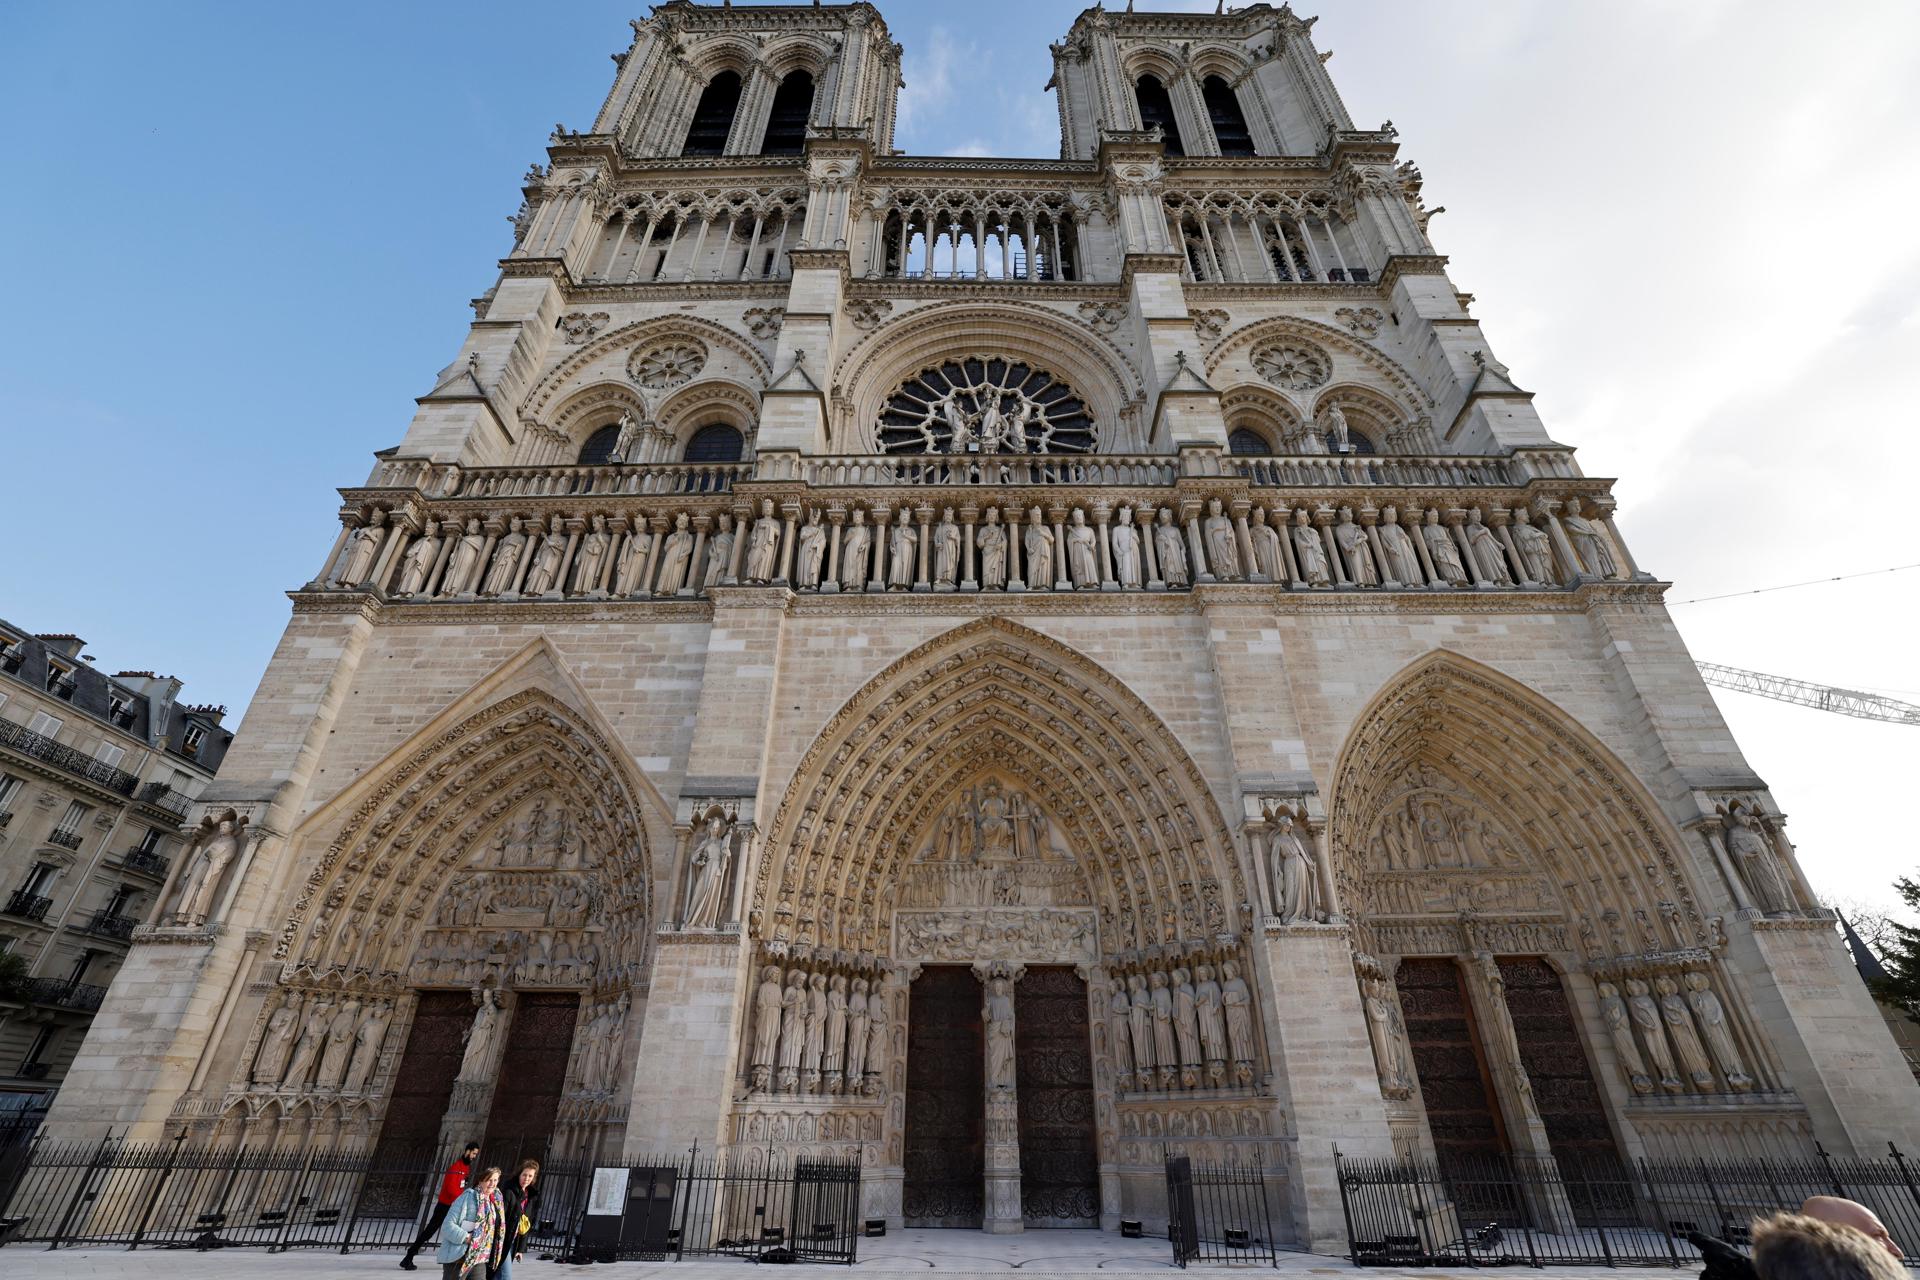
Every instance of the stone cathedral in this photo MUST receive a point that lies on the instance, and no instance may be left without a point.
(996, 667)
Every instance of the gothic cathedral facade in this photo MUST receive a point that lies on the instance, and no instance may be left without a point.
(996, 667)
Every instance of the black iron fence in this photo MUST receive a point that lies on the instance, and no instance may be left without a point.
(1219, 1213)
(1511, 1211)
(205, 1195)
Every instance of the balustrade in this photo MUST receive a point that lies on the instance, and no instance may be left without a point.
(1267, 238)
(1328, 471)
(1029, 237)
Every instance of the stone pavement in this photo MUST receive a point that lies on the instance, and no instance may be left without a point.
(958, 1255)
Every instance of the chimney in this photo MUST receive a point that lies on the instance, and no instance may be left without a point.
(63, 643)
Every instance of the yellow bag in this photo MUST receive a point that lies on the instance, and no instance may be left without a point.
(525, 1226)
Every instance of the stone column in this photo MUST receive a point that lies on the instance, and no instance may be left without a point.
(879, 580)
(1062, 580)
(968, 582)
(789, 542)
(1196, 545)
(923, 516)
(1002, 1214)
(1016, 550)
(1149, 558)
(836, 517)
(1101, 514)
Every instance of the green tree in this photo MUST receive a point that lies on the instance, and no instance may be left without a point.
(1900, 954)
(13, 974)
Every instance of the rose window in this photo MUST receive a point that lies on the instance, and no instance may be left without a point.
(667, 365)
(1294, 365)
(986, 405)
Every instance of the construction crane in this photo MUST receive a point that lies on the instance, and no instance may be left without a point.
(1802, 693)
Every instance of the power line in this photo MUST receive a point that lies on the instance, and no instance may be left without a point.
(1788, 586)
(1804, 693)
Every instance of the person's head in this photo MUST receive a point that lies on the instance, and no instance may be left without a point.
(1793, 1246)
(529, 1170)
(470, 1152)
(489, 1178)
(1851, 1213)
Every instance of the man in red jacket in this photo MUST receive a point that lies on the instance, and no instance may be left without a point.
(452, 1183)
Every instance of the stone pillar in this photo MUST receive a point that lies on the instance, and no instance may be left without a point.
(1513, 1091)
(1002, 1214)
(689, 1042)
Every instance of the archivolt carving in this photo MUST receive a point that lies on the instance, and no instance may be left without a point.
(992, 698)
(1405, 387)
(1445, 747)
(708, 400)
(639, 334)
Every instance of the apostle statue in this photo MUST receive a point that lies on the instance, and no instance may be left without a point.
(1119, 1021)
(339, 1044)
(1680, 1029)
(276, 1042)
(767, 1008)
(366, 1046)
(1613, 1012)
(793, 1030)
(1140, 1020)
(858, 1020)
(1166, 1053)
(877, 1032)
(1213, 1026)
(1236, 1004)
(1712, 1017)
(833, 1052)
(306, 1050)
(1646, 1016)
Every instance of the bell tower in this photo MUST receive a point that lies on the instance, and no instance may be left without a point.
(1246, 83)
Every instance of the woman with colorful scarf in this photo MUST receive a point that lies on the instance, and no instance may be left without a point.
(475, 1233)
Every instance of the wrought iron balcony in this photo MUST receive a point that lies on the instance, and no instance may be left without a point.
(64, 838)
(83, 996)
(41, 747)
(28, 906)
(146, 862)
(109, 924)
(162, 796)
(32, 1071)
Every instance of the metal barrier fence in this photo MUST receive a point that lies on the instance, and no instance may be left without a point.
(1218, 1213)
(756, 1205)
(1512, 1211)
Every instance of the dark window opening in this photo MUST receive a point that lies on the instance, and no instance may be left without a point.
(1248, 441)
(713, 116)
(1156, 110)
(1357, 442)
(716, 443)
(1229, 124)
(787, 122)
(599, 446)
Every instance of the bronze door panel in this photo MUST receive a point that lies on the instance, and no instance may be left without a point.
(945, 1155)
(1059, 1160)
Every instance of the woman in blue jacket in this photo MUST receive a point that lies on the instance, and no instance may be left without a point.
(475, 1232)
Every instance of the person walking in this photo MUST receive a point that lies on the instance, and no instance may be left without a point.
(520, 1203)
(474, 1237)
(452, 1183)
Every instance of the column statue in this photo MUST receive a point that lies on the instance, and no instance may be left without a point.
(857, 1029)
(1165, 1052)
(633, 559)
(1686, 1041)
(276, 1042)
(1039, 540)
(1446, 555)
(767, 1007)
(593, 555)
(812, 550)
(418, 562)
(793, 1030)
(361, 548)
(1646, 1016)
(675, 554)
(902, 545)
(1236, 1003)
(1712, 1017)
(1595, 556)
(763, 546)
(1488, 554)
(466, 560)
(544, 576)
(1267, 559)
(831, 1056)
(339, 1046)
(306, 1051)
(1613, 1011)
(816, 1036)
(1535, 548)
(1125, 538)
(1352, 541)
(720, 552)
(1213, 1026)
(1140, 1016)
(1082, 560)
(506, 560)
(1403, 562)
(946, 551)
(366, 1046)
(1186, 1025)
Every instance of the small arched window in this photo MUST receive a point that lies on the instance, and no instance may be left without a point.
(713, 117)
(599, 446)
(1229, 122)
(1245, 440)
(1357, 442)
(715, 443)
(1156, 109)
(787, 121)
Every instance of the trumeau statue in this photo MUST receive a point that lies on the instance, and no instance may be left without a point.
(856, 549)
(992, 541)
(1310, 551)
(763, 545)
(1223, 552)
(212, 848)
(812, 551)
(998, 1014)
(1171, 549)
(1389, 1041)
(1403, 562)
(477, 1062)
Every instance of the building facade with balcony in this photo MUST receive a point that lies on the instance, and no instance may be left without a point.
(96, 776)
(996, 666)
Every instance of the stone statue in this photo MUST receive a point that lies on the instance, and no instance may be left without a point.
(946, 551)
(857, 1025)
(816, 1041)
(1502, 1042)
(1355, 550)
(1338, 430)
(1171, 549)
(959, 430)
(1213, 1026)
(831, 1077)
(720, 552)
(306, 1050)
(592, 557)
(1039, 540)
(1186, 1026)
(1440, 546)
(362, 545)
(1595, 555)
(812, 551)
(902, 544)
(1646, 1016)
(418, 562)
(1389, 1046)
(1759, 866)
(1165, 1052)
(1119, 1023)
(466, 560)
(763, 545)
(877, 1015)
(1268, 562)
(856, 549)
(1126, 550)
(998, 1014)
(633, 560)
(712, 860)
(276, 1042)
(1613, 1011)
(544, 576)
(675, 554)
(1236, 1004)
(992, 421)
(1310, 552)
(1223, 551)
(1535, 548)
(1082, 562)
(992, 541)
(1292, 873)
(624, 444)
(506, 560)
(213, 846)
(1403, 562)
(1712, 1018)
(1488, 554)
(1140, 1016)
(1020, 427)
(767, 1007)
(477, 1062)
(793, 1030)
(1686, 1041)
(339, 1045)
(366, 1046)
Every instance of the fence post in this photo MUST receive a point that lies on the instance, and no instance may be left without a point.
(293, 1201)
(1659, 1212)
(80, 1192)
(1346, 1203)
(153, 1201)
(1833, 1175)
(359, 1192)
(1906, 1174)
(686, 1202)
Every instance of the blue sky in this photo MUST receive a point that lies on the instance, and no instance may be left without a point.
(241, 238)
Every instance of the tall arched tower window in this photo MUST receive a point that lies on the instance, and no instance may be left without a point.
(715, 443)
(1156, 108)
(1245, 440)
(1229, 122)
(787, 122)
(713, 116)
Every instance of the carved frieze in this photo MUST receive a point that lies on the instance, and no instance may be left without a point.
(1035, 936)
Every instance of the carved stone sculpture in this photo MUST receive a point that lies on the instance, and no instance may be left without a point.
(593, 556)
(1335, 428)
(1535, 548)
(711, 870)
(992, 542)
(366, 1046)
(946, 551)
(1502, 1041)
(1596, 557)
(1170, 548)
(1268, 562)
(1355, 550)
(1488, 555)
(477, 1062)
(1712, 1019)
(306, 1050)
(1125, 538)
(858, 1020)
(465, 565)
(1613, 1011)
(998, 1015)
(1186, 1025)
(902, 545)
(1039, 547)
(812, 551)
(816, 1035)
(675, 554)
(1140, 1018)
(1646, 1016)
(212, 848)
(1759, 865)
(362, 545)
(1082, 561)
(793, 1030)
(763, 546)
(338, 1049)
(878, 1028)
(1236, 1004)
(506, 560)
(419, 560)
(1310, 552)
(1213, 1026)
(626, 441)
(856, 549)
(1687, 1048)
(1440, 546)
(544, 576)
(1387, 1030)
(833, 1052)
(720, 552)
(1292, 873)
(1223, 550)
(1119, 1031)
(1166, 1053)
(276, 1042)
(633, 561)
(768, 1006)
(1403, 562)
